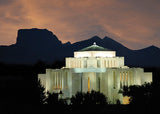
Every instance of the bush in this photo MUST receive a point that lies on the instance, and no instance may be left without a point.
(89, 98)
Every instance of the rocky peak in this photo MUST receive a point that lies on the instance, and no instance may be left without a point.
(38, 37)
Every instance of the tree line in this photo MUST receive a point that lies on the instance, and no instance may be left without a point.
(88, 98)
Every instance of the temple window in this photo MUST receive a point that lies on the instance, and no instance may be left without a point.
(126, 78)
(123, 78)
(120, 80)
(88, 84)
(66, 87)
(114, 63)
(111, 63)
(108, 63)
(114, 80)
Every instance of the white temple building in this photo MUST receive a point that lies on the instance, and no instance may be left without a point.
(94, 68)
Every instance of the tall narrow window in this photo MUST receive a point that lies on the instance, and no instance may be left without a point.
(108, 63)
(54, 81)
(88, 84)
(71, 64)
(104, 63)
(58, 80)
(53, 87)
(99, 84)
(61, 80)
(123, 79)
(66, 86)
(86, 64)
(114, 80)
(111, 63)
(126, 78)
(130, 78)
(98, 63)
(78, 64)
(75, 64)
(120, 80)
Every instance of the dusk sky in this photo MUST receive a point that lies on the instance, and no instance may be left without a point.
(133, 23)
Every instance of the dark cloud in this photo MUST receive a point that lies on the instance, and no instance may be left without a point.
(6, 2)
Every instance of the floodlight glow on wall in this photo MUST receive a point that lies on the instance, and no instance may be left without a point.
(95, 54)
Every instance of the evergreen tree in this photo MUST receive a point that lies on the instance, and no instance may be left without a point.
(53, 99)
(40, 93)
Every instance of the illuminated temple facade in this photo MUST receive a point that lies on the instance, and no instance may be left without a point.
(94, 68)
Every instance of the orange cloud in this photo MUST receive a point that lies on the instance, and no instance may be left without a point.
(133, 23)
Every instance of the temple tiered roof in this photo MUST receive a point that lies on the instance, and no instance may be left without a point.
(95, 47)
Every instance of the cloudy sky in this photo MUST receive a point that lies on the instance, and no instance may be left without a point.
(134, 23)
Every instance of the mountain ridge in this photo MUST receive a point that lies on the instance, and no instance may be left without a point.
(41, 44)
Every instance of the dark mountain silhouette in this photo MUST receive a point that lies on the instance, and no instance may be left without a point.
(40, 44)
(32, 45)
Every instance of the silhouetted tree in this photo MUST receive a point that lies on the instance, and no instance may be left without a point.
(141, 97)
(88, 98)
(139, 94)
(53, 99)
(77, 99)
(40, 93)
